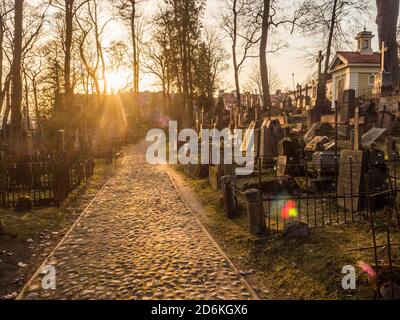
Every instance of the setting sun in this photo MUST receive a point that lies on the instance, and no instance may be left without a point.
(117, 81)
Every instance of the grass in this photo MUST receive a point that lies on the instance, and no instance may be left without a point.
(282, 269)
(27, 224)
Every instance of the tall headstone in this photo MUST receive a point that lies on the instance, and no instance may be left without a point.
(349, 180)
(348, 105)
(271, 134)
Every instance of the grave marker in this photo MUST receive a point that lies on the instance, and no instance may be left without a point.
(271, 134)
(372, 136)
(349, 180)
(281, 166)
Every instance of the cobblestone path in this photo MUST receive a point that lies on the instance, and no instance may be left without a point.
(138, 240)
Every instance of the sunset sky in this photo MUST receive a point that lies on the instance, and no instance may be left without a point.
(292, 59)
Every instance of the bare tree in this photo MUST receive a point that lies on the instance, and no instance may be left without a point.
(70, 9)
(88, 26)
(129, 11)
(254, 82)
(16, 77)
(236, 22)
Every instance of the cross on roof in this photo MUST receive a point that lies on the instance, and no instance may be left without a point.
(382, 51)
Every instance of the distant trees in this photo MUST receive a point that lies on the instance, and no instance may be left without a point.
(237, 22)
(387, 18)
(128, 10)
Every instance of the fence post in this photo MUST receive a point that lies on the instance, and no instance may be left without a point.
(228, 196)
(255, 213)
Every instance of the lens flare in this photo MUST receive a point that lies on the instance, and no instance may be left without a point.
(289, 210)
(366, 268)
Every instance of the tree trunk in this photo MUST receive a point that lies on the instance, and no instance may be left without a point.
(322, 88)
(1, 52)
(135, 49)
(387, 16)
(16, 76)
(7, 110)
(235, 64)
(69, 16)
(263, 58)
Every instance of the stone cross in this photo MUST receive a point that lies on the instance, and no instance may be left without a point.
(383, 52)
(319, 61)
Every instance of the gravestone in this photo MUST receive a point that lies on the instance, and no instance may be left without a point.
(391, 103)
(248, 143)
(323, 160)
(313, 116)
(294, 152)
(317, 129)
(251, 144)
(372, 136)
(344, 131)
(317, 144)
(271, 134)
(347, 106)
(281, 166)
(391, 149)
(386, 120)
(349, 180)
(329, 146)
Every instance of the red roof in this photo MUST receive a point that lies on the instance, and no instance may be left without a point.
(357, 58)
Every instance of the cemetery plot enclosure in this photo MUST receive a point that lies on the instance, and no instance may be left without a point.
(326, 193)
(45, 180)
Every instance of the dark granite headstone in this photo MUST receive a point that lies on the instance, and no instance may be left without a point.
(347, 106)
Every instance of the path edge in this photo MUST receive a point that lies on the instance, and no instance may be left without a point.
(172, 173)
(20, 295)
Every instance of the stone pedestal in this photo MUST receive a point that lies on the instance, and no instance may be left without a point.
(255, 213)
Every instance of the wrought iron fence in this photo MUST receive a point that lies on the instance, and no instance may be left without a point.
(45, 179)
(313, 193)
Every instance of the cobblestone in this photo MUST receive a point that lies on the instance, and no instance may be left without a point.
(138, 240)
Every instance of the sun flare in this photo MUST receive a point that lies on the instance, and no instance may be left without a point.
(117, 81)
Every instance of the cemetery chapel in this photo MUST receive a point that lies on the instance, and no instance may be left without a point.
(355, 69)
